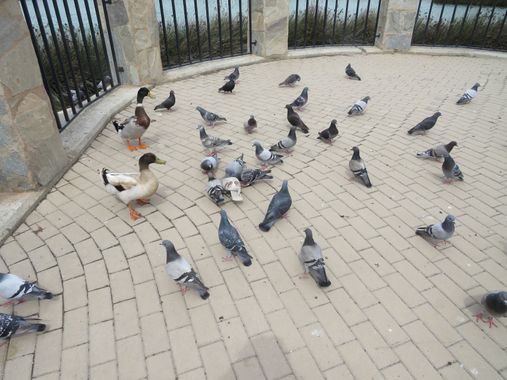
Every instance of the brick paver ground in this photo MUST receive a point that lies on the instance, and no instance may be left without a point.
(397, 307)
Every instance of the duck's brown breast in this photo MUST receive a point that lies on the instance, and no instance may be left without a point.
(142, 117)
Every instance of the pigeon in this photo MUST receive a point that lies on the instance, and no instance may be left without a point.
(351, 73)
(359, 107)
(294, 119)
(312, 260)
(286, 143)
(104, 83)
(330, 133)
(469, 95)
(14, 288)
(426, 124)
(228, 87)
(250, 124)
(209, 163)
(234, 75)
(301, 100)
(451, 170)
(250, 176)
(235, 167)
(16, 325)
(211, 142)
(278, 207)
(180, 271)
(215, 189)
(291, 80)
(357, 166)
(209, 117)
(439, 231)
(438, 152)
(168, 103)
(495, 302)
(77, 95)
(230, 239)
(265, 156)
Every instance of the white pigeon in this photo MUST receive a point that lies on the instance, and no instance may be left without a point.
(359, 107)
(13, 288)
(469, 94)
(266, 156)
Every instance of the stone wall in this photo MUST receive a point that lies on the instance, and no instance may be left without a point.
(396, 24)
(270, 27)
(31, 152)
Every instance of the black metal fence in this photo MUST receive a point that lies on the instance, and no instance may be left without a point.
(476, 23)
(332, 22)
(73, 55)
(198, 30)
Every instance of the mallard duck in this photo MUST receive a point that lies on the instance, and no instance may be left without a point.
(129, 188)
(135, 126)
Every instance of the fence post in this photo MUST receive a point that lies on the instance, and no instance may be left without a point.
(396, 24)
(270, 27)
(31, 151)
(136, 39)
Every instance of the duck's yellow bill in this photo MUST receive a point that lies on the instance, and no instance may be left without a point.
(159, 161)
(151, 95)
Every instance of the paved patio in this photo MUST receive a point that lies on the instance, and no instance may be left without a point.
(397, 308)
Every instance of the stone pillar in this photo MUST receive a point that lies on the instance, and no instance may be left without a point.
(31, 151)
(396, 24)
(270, 27)
(135, 31)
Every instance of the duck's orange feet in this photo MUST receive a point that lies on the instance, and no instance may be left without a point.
(142, 202)
(134, 215)
(131, 147)
(141, 145)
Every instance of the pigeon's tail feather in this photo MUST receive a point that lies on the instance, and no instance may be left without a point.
(158, 107)
(41, 293)
(304, 128)
(220, 118)
(425, 154)
(25, 327)
(411, 130)
(422, 231)
(117, 126)
(281, 84)
(245, 258)
(358, 77)
(350, 112)
(266, 225)
(320, 277)
(365, 178)
(229, 142)
(204, 295)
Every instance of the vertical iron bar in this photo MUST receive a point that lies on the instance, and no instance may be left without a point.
(345, 19)
(365, 31)
(355, 20)
(220, 29)
(95, 46)
(501, 28)
(475, 24)
(209, 31)
(464, 18)
(324, 26)
(187, 32)
(334, 21)
(428, 21)
(50, 60)
(197, 30)
(489, 24)
(240, 27)
(113, 53)
(85, 43)
(450, 23)
(104, 47)
(59, 56)
(164, 32)
(39, 59)
(315, 22)
(250, 23)
(176, 34)
(376, 21)
(296, 25)
(438, 25)
(417, 14)
(230, 26)
(306, 23)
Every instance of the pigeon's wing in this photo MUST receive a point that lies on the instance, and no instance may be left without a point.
(229, 237)
(359, 169)
(175, 269)
(308, 255)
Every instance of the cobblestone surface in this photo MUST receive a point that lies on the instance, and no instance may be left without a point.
(397, 306)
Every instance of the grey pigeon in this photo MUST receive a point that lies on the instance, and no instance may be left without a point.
(426, 124)
(438, 231)
(469, 94)
(329, 133)
(77, 95)
(16, 325)
(294, 119)
(291, 80)
(265, 156)
(250, 124)
(358, 167)
(451, 170)
(359, 107)
(495, 302)
(180, 271)
(439, 151)
(211, 142)
(234, 75)
(228, 87)
(210, 163)
(278, 207)
(286, 143)
(312, 260)
(230, 239)
(168, 103)
(14, 288)
(301, 100)
(104, 83)
(209, 117)
(351, 73)
(215, 189)
(235, 167)
(250, 176)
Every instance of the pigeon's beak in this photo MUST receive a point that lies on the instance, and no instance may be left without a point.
(151, 95)
(159, 161)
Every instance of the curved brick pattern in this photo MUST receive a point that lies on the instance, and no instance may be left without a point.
(397, 307)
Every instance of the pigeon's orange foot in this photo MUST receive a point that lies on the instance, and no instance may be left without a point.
(131, 147)
(183, 290)
(491, 322)
(304, 276)
(142, 202)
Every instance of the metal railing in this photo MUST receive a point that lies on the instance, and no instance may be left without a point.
(71, 49)
(332, 22)
(199, 30)
(475, 23)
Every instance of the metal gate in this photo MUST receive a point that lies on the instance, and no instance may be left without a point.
(77, 62)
